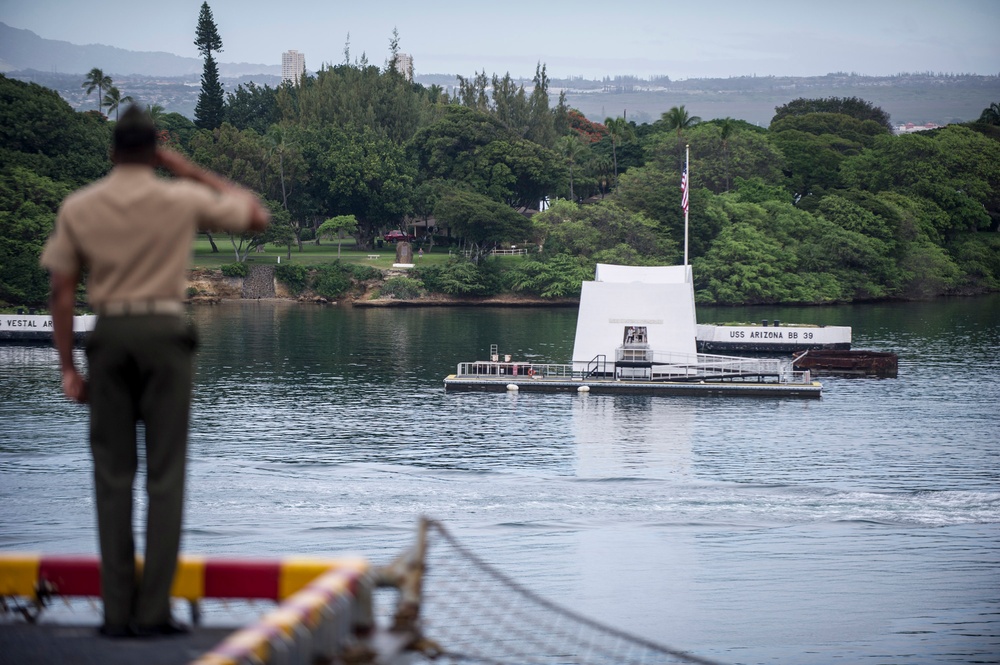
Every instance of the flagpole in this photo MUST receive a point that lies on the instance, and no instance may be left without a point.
(687, 186)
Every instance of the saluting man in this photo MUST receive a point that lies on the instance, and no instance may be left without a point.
(132, 233)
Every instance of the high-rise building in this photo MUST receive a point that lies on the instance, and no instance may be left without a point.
(293, 65)
(404, 65)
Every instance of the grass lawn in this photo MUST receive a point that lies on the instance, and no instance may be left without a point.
(311, 254)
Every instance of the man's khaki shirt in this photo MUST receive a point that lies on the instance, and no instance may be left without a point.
(134, 232)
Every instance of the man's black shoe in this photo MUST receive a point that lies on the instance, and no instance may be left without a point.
(167, 629)
(115, 632)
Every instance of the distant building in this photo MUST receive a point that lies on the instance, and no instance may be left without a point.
(293, 65)
(909, 127)
(404, 65)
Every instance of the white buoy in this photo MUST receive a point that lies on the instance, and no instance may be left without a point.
(512, 387)
(583, 389)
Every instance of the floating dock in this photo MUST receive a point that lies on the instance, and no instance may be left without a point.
(662, 374)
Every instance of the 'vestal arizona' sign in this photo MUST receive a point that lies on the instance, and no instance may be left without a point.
(38, 327)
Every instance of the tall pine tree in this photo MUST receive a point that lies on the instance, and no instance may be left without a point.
(208, 112)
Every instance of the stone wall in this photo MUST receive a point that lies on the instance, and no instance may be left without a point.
(259, 283)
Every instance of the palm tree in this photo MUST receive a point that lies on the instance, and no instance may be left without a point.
(572, 149)
(97, 80)
(619, 129)
(991, 115)
(677, 119)
(602, 167)
(113, 100)
(156, 113)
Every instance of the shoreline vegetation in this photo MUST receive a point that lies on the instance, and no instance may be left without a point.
(511, 195)
(208, 286)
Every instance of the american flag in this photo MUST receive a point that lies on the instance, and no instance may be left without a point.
(684, 189)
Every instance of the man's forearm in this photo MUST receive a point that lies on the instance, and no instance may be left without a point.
(182, 167)
(62, 302)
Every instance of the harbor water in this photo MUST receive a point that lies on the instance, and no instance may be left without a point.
(863, 527)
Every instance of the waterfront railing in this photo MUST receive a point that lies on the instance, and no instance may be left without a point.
(644, 364)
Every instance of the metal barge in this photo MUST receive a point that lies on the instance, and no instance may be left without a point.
(882, 364)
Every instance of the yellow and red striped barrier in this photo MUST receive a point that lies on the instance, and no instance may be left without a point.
(322, 601)
(314, 622)
(197, 577)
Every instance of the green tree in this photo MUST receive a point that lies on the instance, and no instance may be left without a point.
(279, 232)
(677, 119)
(28, 205)
(720, 153)
(355, 171)
(252, 107)
(97, 80)
(602, 231)
(854, 107)
(991, 114)
(954, 169)
(619, 130)
(482, 222)
(180, 129)
(815, 144)
(541, 126)
(573, 150)
(114, 99)
(473, 148)
(207, 37)
(209, 110)
(510, 105)
(336, 226)
(156, 113)
(42, 133)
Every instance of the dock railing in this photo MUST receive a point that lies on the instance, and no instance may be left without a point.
(645, 364)
(517, 370)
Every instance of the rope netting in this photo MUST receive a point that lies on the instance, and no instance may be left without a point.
(473, 613)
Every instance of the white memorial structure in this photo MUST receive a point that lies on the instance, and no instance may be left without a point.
(640, 310)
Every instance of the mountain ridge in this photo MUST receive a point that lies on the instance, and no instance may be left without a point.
(920, 97)
(22, 49)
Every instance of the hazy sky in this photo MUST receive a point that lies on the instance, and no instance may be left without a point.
(578, 38)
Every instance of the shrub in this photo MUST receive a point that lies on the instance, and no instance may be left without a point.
(460, 277)
(292, 275)
(560, 276)
(401, 288)
(364, 273)
(332, 280)
(235, 270)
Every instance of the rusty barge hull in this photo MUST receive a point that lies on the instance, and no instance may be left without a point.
(880, 364)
